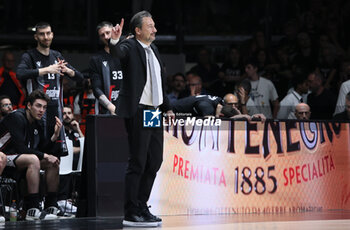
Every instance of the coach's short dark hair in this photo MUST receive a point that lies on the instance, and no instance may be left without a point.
(136, 20)
(37, 94)
(103, 24)
(41, 25)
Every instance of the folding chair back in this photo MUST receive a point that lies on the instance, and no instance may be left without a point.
(66, 162)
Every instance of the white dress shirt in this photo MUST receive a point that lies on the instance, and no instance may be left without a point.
(146, 97)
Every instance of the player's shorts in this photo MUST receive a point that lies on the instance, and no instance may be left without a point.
(11, 160)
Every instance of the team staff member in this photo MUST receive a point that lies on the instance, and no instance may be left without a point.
(72, 131)
(142, 69)
(106, 72)
(42, 68)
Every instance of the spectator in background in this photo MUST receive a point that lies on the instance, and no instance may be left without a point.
(205, 68)
(327, 65)
(289, 40)
(245, 103)
(291, 89)
(264, 61)
(263, 92)
(194, 86)
(344, 88)
(344, 72)
(9, 84)
(177, 86)
(306, 56)
(258, 42)
(302, 111)
(345, 115)
(5, 106)
(309, 24)
(325, 41)
(230, 109)
(106, 73)
(287, 105)
(321, 100)
(334, 31)
(230, 73)
(283, 72)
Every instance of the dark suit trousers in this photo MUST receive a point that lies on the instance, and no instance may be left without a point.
(145, 159)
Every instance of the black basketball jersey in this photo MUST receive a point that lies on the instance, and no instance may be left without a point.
(106, 75)
(50, 83)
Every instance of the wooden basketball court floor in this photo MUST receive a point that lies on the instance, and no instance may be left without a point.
(332, 219)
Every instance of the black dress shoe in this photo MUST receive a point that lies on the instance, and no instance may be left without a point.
(138, 220)
(149, 216)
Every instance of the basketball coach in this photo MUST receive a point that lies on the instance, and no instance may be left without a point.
(143, 88)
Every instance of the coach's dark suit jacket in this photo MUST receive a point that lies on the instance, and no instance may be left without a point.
(133, 59)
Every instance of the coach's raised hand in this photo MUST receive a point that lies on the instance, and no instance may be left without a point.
(117, 30)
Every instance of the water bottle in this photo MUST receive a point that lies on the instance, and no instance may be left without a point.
(13, 211)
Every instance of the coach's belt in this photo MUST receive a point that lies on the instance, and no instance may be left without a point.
(150, 107)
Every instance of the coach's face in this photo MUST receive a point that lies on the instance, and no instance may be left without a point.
(147, 33)
(37, 109)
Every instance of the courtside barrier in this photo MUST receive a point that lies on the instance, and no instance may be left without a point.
(253, 167)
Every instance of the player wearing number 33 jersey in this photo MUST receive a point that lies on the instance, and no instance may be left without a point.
(106, 79)
(106, 73)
